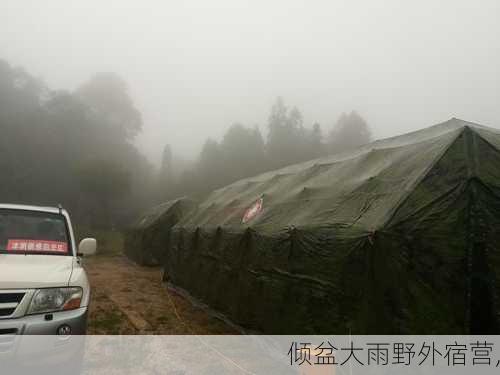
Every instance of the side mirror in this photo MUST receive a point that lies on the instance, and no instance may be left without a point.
(88, 246)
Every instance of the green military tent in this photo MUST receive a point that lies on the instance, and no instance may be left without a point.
(398, 236)
(146, 240)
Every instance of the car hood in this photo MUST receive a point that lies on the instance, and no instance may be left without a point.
(34, 271)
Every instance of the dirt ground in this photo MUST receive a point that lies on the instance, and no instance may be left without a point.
(129, 299)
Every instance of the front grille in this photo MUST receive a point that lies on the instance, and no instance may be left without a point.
(8, 331)
(7, 312)
(9, 302)
(8, 297)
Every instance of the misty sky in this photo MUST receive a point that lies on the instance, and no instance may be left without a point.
(196, 67)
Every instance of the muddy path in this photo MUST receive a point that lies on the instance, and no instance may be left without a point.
(130, 299)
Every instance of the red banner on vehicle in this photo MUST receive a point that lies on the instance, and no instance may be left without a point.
(37, 246)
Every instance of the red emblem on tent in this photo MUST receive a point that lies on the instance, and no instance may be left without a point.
(253, 210)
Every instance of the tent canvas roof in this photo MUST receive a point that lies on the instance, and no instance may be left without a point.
(361, 189)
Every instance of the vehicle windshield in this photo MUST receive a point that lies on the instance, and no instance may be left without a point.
(31, 232)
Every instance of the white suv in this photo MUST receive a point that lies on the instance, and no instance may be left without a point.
(43, 286)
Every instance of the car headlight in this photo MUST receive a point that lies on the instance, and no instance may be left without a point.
(55, 299)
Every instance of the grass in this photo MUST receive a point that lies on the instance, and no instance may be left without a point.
(109, 322)
(106, 318)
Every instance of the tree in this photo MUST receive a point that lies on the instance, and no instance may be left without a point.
(278, 117)
(107, 95)
(316, 147)
(103, 183)
(350, 131)
(20, 93)
(47, 137)
(210, 166)
(295, 121)
(243, 151)
(286, 135)
(166, 169)
(240, 154)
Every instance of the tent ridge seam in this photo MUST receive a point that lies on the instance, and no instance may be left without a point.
(476, 133)
(420, 178)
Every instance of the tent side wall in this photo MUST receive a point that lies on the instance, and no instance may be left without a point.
(146, 244)
(443, 244)
(291, 282)
(133, 245)
(484, 251)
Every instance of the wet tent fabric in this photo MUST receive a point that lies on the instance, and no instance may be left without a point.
(148, 238)
(398, 236)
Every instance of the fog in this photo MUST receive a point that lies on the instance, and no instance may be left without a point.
(196, 67)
